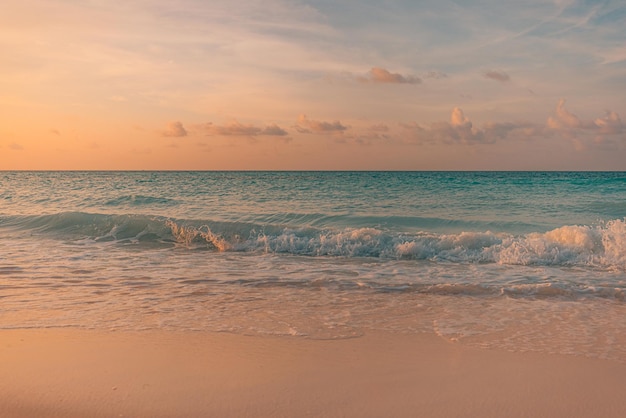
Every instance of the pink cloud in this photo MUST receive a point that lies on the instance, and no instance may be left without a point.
(308, 126)
(381, 75)
(239, 129)
(611, 124)
(174, 129)
(571, 126)
(460, 130)
(563, 119)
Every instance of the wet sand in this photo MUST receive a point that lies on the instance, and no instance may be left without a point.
(77, 373)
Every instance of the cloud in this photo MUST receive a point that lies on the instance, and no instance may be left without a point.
(500, 76)
(16, 147)
(381, 75)
(365, 135)
(458, 119)
(174, 129)
(274, 130)
(563, 119)
(611, 124)
(239, 129)
(55, 132)
(461, 130)
(571, 126)
(308, 126)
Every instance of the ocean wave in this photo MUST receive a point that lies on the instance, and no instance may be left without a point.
(602, 245)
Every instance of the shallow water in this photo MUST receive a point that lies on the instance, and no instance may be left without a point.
(521, 261)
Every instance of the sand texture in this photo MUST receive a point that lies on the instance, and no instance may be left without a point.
(75, 373)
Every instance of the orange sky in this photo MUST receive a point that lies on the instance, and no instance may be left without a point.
(279, 84)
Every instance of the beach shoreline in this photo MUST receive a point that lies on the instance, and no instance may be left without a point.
(76, 373)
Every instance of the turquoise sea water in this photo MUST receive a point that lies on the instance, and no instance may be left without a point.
(521, 261)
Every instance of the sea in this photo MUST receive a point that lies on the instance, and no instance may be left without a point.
(519, 261)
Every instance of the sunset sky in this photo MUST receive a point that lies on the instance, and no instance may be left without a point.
(318, 84)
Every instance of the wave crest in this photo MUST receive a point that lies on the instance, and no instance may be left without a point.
(571, 245)
(602, 245)
(189, 235)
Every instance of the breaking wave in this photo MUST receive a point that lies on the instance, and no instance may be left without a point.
(602, 245)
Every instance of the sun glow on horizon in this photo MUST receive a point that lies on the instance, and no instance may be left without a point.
(310, 85)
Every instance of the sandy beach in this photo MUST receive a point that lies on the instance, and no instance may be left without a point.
(77, 373)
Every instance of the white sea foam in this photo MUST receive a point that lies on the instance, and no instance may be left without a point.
(187, 236)
(522, 261)
(602, 245)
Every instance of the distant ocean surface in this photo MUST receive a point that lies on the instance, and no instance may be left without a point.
(524, 261)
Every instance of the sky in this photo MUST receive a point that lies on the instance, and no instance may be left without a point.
(312, 85)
